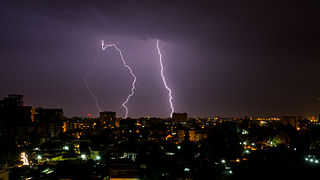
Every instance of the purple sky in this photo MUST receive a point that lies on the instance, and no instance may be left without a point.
(224, 57)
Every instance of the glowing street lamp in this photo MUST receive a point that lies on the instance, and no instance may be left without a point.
(83, 156)
(186, 169)
(66, 148)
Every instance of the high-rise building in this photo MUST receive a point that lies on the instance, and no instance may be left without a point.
(14, 117)
(48, 122)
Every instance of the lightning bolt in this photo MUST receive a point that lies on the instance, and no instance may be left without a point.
(87, 85)
(105, 46)
(164, 80)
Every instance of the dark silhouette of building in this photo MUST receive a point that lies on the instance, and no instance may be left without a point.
(291, 120)
(48, 122)
(14, 117)
(180, 117)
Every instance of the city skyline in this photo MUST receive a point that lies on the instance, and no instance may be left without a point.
(223, 59)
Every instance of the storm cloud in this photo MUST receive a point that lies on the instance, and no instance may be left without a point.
(228, 58)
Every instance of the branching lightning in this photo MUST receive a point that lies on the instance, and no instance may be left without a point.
(87, 85)
(164, 80)
(105, 46)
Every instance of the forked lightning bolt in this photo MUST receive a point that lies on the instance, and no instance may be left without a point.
(164, 80)
(87, 85)
(105, 46)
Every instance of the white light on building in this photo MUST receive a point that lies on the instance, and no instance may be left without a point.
(83, 156)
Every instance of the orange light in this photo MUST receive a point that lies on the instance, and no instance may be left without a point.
(24, 159)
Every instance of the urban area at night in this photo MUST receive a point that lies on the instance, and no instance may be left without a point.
(41, 143)
(159, 89)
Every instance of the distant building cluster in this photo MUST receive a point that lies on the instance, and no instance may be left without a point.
(55, 147)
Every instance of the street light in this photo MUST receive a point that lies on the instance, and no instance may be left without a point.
(83, 156)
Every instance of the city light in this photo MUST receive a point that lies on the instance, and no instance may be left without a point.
(47, 171)
(223, 161)
(311, 159)
(170, 153)
(83, 156)
(24, 159)
(66, 148)
(39, 157)
(98, 157)
(186, 169)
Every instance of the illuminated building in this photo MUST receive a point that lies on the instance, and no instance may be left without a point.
(108, 118)
(194, 135)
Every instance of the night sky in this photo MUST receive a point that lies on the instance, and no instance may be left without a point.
(221, 57)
